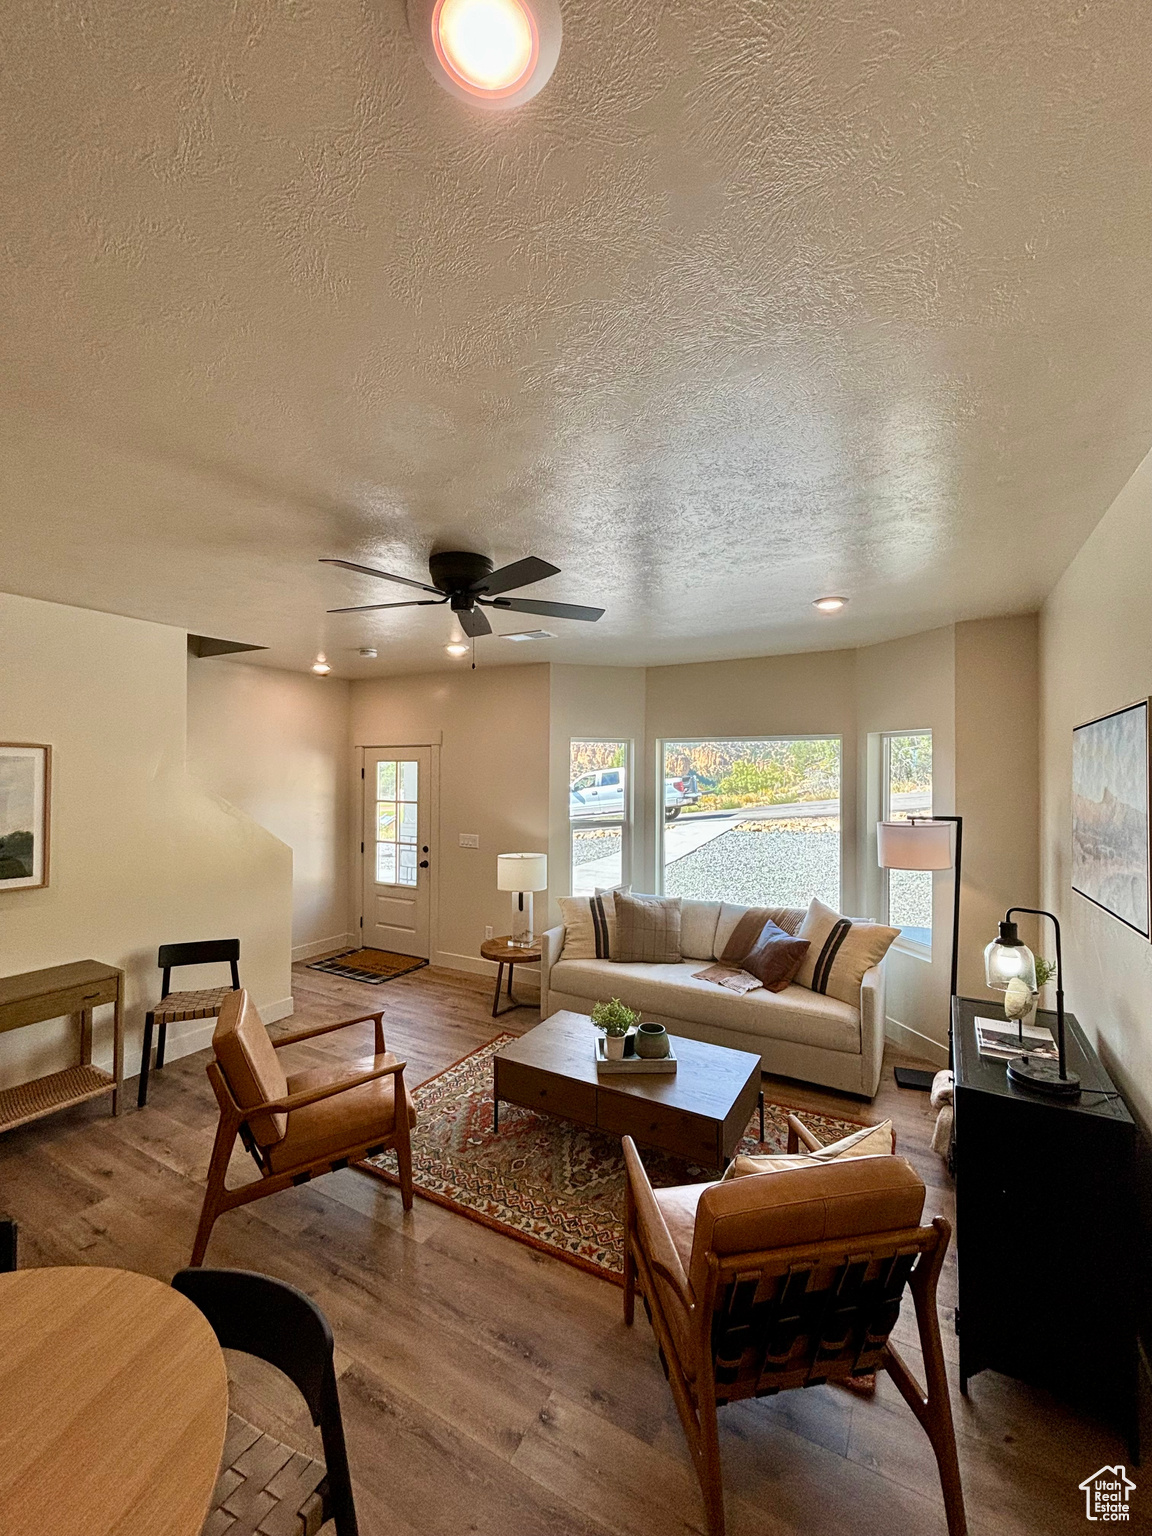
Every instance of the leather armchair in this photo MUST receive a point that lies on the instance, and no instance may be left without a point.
(296, 1127)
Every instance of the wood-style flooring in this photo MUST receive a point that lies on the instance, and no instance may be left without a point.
(489, 1389)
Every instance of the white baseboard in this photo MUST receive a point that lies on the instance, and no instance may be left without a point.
(911, 1040)
(324, 946)
(527, 978)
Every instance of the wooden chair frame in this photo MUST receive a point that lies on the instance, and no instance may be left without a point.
(236, 1122)
(923, 1248)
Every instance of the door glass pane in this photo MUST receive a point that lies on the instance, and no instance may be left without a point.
(385, 821)
(407, 823)
(753, 820)
(407, 829)
(409, 781)
(385, 864)
(385, 781)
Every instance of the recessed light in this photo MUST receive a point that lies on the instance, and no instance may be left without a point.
(369, 652)
(457, 650)
(494, 53)
(530, 634)
(830, 604)
(320, 666)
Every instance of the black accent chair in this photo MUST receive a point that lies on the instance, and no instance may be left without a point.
(184, 1005)
(274, 1321)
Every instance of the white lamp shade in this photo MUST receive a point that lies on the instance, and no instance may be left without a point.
(914, 844)
(522, 872)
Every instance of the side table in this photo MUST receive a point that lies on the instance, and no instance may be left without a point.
(505, 953)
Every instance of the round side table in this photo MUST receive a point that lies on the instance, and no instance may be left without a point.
(505, 953)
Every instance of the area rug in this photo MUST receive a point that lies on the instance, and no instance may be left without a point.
(371, 965)
(543, 1181)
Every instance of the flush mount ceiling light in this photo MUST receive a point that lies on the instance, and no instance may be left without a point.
(830, 604)
(493, 53)
(320, 666)
(458, 649)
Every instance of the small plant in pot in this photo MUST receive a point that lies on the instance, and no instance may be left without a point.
(615, 1019)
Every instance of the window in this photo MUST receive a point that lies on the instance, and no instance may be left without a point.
(753, 821)
(907, 791)
(599, 814)
(397, 794)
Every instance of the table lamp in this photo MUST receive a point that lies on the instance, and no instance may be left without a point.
(1007, 959)
(522, 873)
(924, 842)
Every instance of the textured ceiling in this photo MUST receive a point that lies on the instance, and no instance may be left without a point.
(754, 302)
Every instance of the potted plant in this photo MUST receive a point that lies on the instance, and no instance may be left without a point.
(615, 1019)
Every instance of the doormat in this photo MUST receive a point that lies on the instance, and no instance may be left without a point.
(372, 965)
(555, 1186)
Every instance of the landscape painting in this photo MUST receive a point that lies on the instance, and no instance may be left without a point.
(1110, 814)
(24, 796)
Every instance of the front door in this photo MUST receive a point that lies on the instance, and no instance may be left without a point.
(396, 849)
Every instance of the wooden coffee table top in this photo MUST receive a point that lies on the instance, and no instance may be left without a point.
(708, 1081)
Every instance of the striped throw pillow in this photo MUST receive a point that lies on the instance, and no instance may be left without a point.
(839, 952)
(589, 926)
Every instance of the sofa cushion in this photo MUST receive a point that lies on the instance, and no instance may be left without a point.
(698, 928)
(796, 1014)
(788, 918)
(647, 929)
(589, 925)
(840, 952)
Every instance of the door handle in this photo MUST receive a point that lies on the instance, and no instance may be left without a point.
(423, 863)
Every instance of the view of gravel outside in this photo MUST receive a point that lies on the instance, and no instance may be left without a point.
(910, 902)
(770, 864)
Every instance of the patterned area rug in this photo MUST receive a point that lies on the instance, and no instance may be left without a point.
(373, 965)
(539, 1179)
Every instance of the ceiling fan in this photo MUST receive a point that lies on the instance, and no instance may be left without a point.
(469, 584)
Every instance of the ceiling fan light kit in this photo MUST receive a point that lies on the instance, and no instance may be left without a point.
(494, 54)
(468, 584)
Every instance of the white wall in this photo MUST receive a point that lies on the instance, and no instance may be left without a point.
(1096, 656)
(275, 745)
(141, 855)
(490, 730)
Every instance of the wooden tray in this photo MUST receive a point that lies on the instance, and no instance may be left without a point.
(634, 1065)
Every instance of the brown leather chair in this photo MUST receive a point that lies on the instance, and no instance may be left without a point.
(300, 1126)
(788, 1279)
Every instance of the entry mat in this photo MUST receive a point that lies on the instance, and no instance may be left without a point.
(372, 965)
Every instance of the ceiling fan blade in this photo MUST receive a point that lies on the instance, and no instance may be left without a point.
(473, 622)
(367, 570)
(550, 610)
(418, 602)
(519, 574)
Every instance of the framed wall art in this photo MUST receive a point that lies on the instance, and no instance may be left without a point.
(25, 807)
(1110, 814)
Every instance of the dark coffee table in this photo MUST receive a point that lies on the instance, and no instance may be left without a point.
(699, 1113)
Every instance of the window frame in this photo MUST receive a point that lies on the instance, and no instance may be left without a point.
(624, 821)
(691, 741)
(910, 946)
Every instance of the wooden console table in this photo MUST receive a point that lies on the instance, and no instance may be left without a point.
(52, 994)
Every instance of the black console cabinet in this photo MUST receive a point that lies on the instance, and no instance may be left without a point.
(1045, 1227)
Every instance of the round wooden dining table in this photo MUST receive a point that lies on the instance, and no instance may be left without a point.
(113, 1405)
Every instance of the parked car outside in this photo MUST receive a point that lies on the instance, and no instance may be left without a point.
(601, 794)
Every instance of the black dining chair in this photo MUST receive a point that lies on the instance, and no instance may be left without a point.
(275, 1322)
(174, 1006)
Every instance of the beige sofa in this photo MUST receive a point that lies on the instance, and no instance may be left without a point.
(797, 1033)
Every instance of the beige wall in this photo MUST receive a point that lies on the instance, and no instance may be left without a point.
(141, 855)
(275, 745)
(490, 731)
(1096, 656)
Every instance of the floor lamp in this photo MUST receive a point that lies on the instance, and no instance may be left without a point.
(925, 842)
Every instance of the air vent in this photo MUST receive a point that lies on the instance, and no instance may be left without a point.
(530, 634)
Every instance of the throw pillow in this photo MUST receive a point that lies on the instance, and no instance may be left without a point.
(647, 929)
(589, 926)
(868, 1141)
(738, 928)
(840, 952)
(775, 958)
